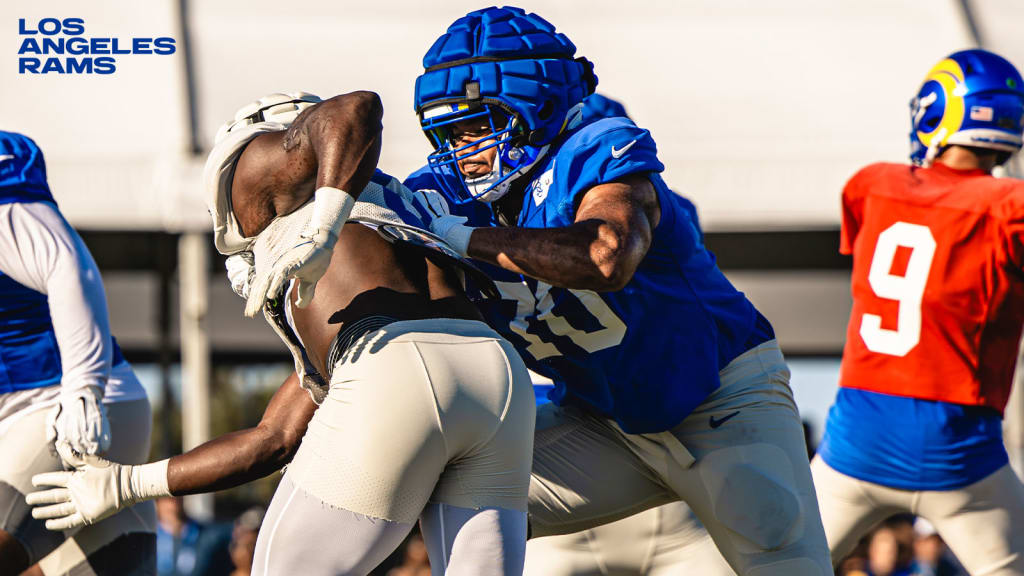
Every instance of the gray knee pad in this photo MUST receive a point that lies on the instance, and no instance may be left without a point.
(757, 507)
(756, 503)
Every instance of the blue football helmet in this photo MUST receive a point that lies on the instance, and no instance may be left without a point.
(971, 98)
(511, 71)
(22, 170)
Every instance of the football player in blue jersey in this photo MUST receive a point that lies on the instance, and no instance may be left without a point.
(663, 540)
(669, 384)
(65, 389)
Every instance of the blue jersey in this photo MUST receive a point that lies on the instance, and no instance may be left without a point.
(648, 354)
(911, 443)
(29, 355)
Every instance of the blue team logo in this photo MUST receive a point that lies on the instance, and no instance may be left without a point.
(60, 46)
(539, 187)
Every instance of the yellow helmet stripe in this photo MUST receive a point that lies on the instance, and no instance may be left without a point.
(950, 76)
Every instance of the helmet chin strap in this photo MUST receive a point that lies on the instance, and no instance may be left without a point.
(934, 148)
(574, 117)
(478, 187)
(495, 184)
(922, 107)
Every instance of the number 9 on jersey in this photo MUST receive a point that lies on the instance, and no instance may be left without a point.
(907, 289)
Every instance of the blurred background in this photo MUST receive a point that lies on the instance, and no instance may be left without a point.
(761, 111)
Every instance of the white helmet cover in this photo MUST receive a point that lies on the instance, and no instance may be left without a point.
(272, 113)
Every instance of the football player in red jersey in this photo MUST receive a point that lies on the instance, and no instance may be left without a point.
(938, 306)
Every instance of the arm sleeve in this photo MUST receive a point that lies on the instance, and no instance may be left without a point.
(40, 250)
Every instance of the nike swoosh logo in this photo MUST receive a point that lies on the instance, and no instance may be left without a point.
(618, 153)
(716, 423)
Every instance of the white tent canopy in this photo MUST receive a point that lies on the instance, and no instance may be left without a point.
(761, 110)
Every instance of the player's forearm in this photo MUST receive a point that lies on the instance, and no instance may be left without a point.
(234, 459)
(588, 255)
(343, 136)
(228, 461)
(333, 146)
(98, 488)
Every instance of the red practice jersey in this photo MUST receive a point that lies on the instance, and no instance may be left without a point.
(938, 283)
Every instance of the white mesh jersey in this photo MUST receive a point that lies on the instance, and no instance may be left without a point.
(384, 205)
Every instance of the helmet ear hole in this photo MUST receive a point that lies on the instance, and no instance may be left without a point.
(546, 110)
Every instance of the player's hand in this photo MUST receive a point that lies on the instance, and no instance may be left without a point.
(241, 270)
(306, 262)
(451, 228)
(82, 497)
(454, 231)
(78, 425)
(431, 203)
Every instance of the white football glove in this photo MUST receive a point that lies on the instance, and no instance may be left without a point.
(241, 270)
(96, 490)
(78, 424)
(441, 221)
(432, 203)
(307, 261)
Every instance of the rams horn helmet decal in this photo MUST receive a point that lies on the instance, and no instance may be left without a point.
(971, 98)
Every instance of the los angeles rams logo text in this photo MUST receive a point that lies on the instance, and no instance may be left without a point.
(57, 46)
